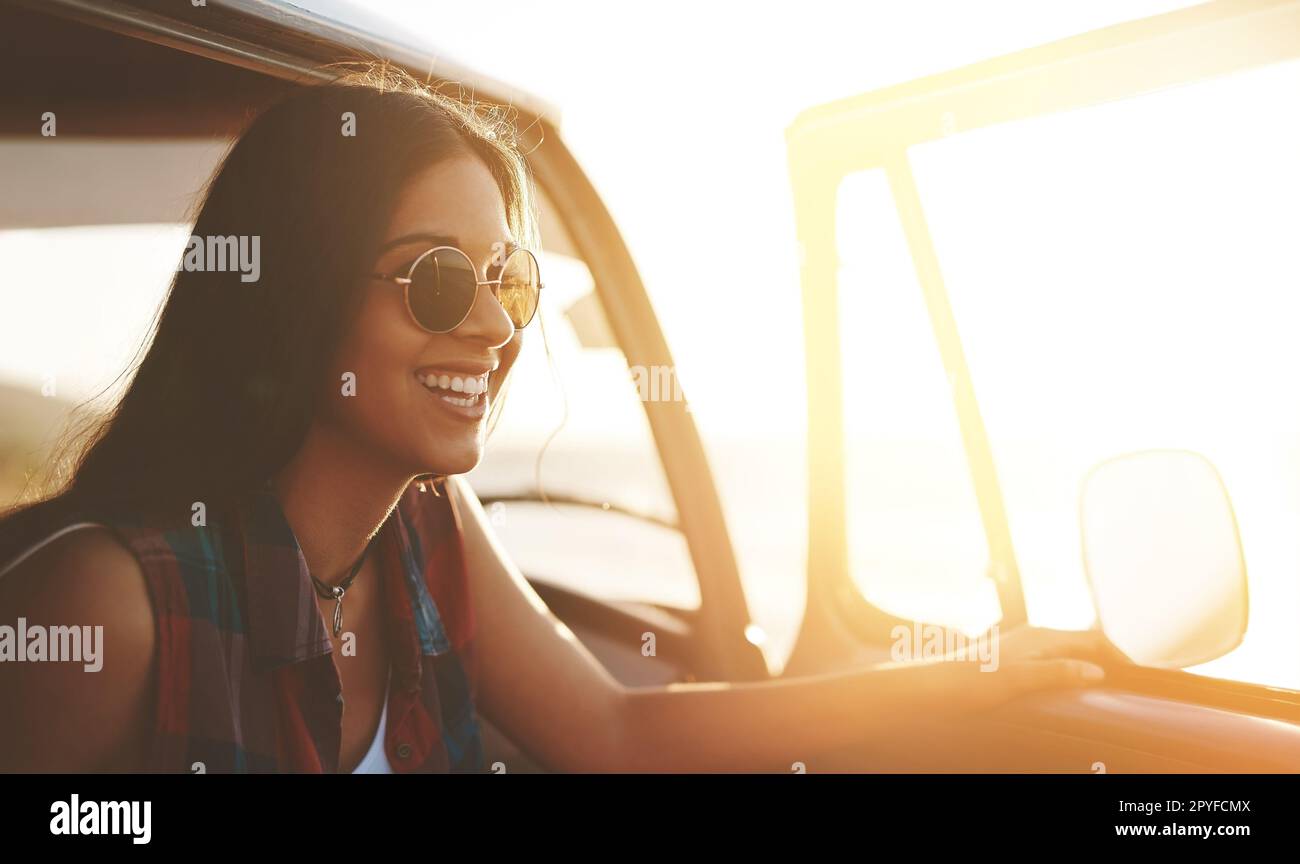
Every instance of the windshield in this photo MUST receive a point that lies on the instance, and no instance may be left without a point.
(1126, 277)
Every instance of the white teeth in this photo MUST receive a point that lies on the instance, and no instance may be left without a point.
(471, 387)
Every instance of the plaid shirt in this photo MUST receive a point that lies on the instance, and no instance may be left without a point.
(246, 681)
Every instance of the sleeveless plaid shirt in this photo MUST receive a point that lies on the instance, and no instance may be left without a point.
(246, 680)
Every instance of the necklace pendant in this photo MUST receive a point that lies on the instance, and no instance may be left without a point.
(338, 613)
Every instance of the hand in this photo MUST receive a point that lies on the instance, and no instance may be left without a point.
(966, 687)
(1031, 659)
(1040, 643)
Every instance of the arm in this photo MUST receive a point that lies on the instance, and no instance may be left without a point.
(762, 725)
(537, 683)
(546, 691)
(60, 716)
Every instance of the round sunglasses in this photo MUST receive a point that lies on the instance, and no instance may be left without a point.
(441, 286)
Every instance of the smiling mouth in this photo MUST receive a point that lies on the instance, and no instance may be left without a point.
(461, 401)
(465, 395)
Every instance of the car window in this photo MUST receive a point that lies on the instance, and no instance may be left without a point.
(572, 454)
(79, 301)
(74, 307)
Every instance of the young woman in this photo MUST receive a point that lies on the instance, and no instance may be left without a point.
(280, 587)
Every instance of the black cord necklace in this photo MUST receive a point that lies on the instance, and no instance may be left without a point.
(336, 592)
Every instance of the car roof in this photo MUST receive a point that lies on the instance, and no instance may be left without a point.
(146, 67)
(148, 94)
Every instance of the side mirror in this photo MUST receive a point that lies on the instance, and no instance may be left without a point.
(1163, 558)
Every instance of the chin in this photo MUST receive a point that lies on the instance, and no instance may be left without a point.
(460, 461)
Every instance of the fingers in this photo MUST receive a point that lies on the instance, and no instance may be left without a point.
(1106, 651)
(1029, 643)
(1034, 675)
(1077, 643)
(1089, 644)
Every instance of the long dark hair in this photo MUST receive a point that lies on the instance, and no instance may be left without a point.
(225, 393)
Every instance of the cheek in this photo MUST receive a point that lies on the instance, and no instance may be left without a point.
(380, 350)
(509, 354)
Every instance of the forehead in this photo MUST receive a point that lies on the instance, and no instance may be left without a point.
(456, 197)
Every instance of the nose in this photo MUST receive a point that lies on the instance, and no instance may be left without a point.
(487, 321)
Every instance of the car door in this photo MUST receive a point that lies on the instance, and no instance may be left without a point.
(1015, 270)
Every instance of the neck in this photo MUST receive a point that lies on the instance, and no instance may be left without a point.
(335, 500)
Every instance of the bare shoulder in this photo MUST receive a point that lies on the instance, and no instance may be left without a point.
(87, 705)
(473, 521)
(465, 504)
(459, 489)
(83, 573)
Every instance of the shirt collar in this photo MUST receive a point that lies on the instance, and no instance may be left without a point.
(285, 623)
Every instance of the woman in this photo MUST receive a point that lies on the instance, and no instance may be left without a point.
(272, 450)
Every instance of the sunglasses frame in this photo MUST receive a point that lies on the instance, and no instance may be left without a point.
(405, 282)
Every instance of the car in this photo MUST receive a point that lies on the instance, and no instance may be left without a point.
(146, 96)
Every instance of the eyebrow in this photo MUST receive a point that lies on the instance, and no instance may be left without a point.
(436, 240)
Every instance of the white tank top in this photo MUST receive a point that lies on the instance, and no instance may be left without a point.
(374, 762)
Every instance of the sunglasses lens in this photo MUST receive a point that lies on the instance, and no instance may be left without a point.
(442, 290)
(520, 287)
